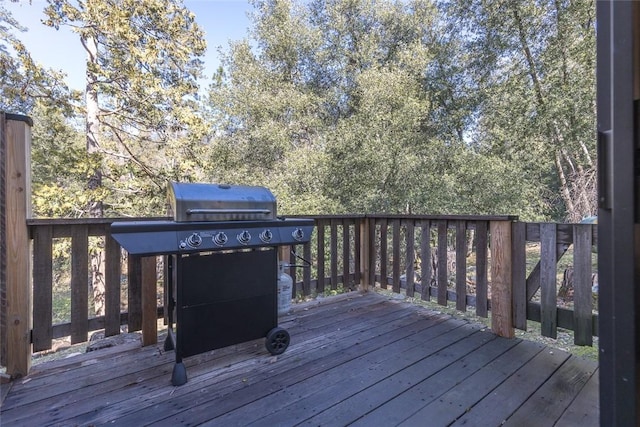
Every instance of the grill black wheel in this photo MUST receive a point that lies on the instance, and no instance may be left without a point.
(277, 341)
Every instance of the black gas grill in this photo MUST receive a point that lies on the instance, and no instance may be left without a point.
(223, 267)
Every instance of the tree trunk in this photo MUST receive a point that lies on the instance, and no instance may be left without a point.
(95, 205)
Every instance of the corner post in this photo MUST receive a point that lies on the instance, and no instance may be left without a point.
(501, 294)
(16, 134)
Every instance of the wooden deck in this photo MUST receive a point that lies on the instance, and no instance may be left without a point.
(359, 359)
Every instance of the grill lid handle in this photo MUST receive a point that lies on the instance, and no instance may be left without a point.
(228, 211)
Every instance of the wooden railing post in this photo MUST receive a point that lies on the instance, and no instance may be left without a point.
(501, 307)
(365, 254)
(16, 134)
(149, 301)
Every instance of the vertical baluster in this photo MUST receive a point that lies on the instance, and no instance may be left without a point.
(582, 297)
(79, 284)
(346, 254)
(425, 260)
(321, 254)
(410, 258)
(334, 254)
(112, 286)
(461, 265)
(383, 253)
(481, 269)
(442, 262)
(42, 287)
(396, 255)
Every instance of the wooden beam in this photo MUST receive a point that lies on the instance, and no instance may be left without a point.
(16, 130)
(149, 304)
(501, 308)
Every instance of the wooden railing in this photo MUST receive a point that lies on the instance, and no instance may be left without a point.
(78, 234)
(447, 259)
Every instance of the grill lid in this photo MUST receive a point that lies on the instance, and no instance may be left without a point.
(192, 202)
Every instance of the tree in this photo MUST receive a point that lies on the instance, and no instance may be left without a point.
(22, 81)
(143, 62)
(533, 65)
(142, 126)
(365, 108)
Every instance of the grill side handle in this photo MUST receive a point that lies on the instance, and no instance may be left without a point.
(228, 211)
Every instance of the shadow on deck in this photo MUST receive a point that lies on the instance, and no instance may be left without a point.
(359, 359)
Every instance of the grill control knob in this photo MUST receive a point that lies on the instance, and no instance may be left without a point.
(244, 238)
(298, 234)
(220, 238)
(266, 236)
(194, 240)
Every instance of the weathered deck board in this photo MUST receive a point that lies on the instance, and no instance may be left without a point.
(354, 359)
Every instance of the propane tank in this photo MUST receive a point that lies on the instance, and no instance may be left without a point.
(285, 290)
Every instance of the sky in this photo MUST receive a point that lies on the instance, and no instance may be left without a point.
(221, 20)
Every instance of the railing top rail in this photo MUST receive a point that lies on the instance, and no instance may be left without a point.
(448, 217)
(89, 221)
(415, 216)
(324, 216)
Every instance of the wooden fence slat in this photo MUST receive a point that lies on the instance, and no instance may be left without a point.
(42, 288)
(548, 282)
(410, 259)
(582, 296)
(346, 253)
(334, 254)
(383, 253)
(425, 260)
(359, 266)
(79, 284)
(112, 286)
(481, 269)
(533, 281)
(396, 256)
(306, 272)
(149, 300)
(519, 274)
(134, 297)
(372, 255)
(461, 265)
(320, 255)
(442, 262)
(293, 271)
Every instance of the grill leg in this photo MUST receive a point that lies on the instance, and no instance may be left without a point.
(179, 375)
(168, 343)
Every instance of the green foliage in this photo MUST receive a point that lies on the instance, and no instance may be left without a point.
(420, 106)
(379, 93)
(142, 118)
(23, 82)
(533, 65)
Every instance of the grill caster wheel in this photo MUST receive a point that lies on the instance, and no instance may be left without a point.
(277, 341)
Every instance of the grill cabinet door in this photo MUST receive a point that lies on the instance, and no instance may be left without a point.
(225, 299)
